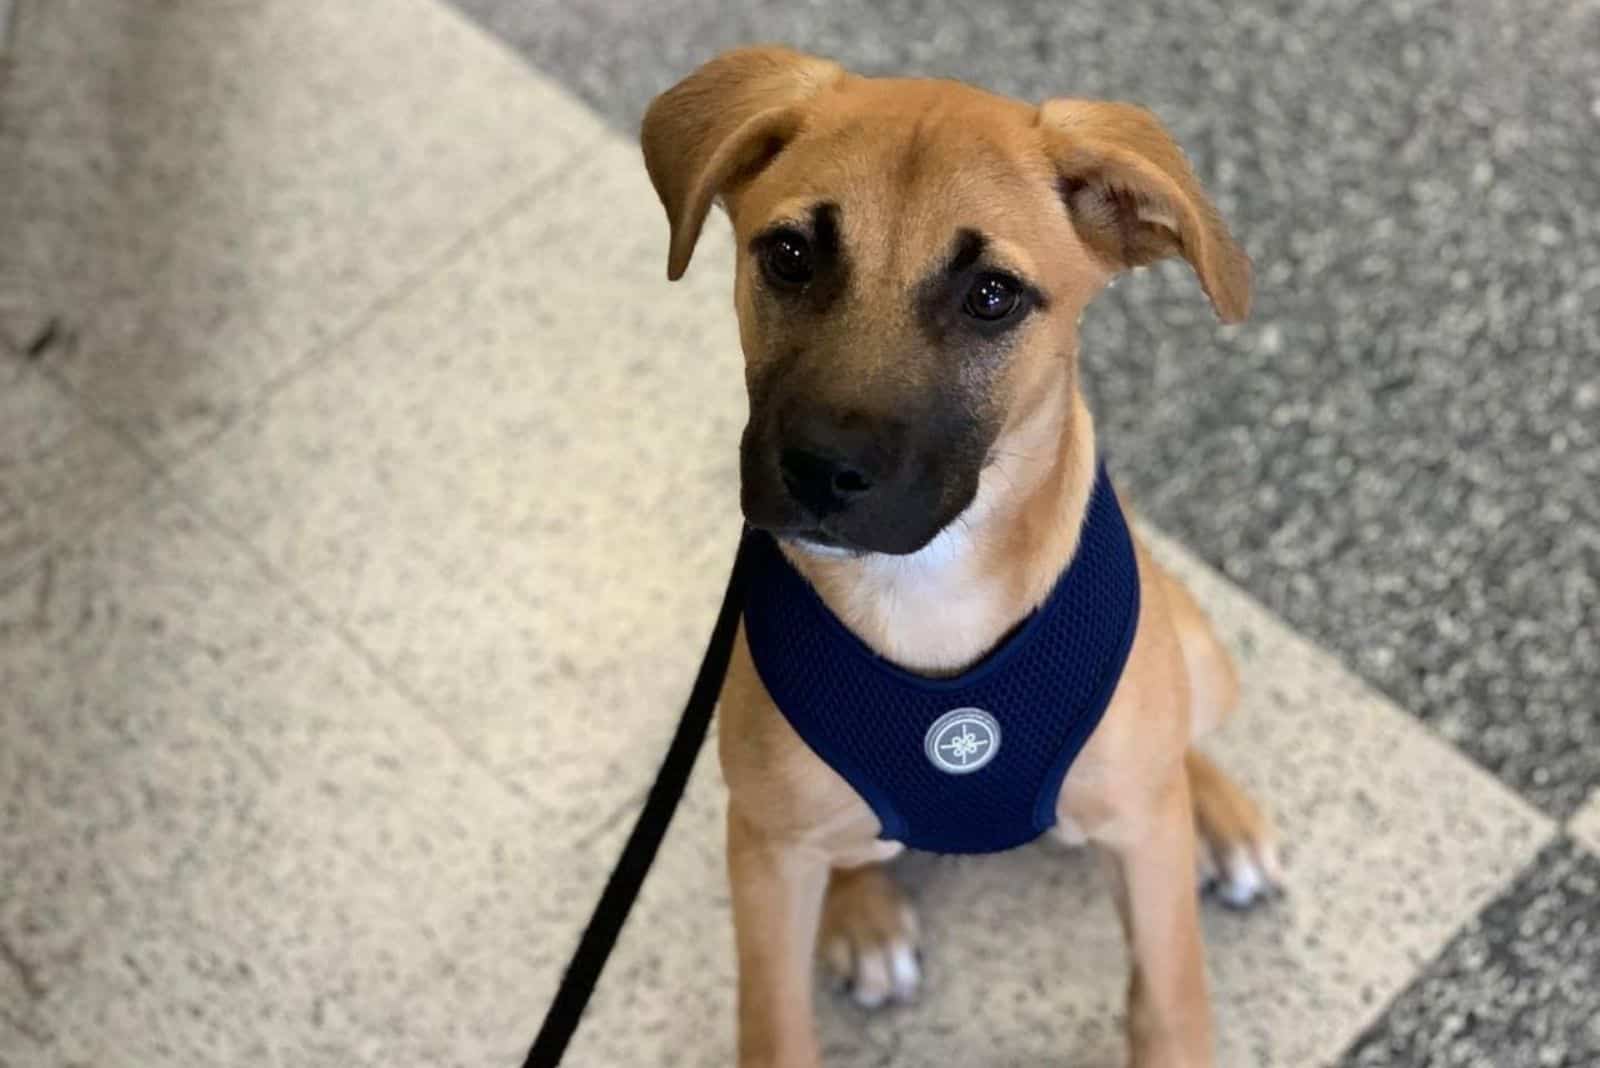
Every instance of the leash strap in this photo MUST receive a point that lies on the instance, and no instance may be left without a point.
(622, 888)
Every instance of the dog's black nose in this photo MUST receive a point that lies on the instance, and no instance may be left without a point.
(822, 481)
(831, 458)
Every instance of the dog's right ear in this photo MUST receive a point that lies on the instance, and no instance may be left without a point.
(721, 125)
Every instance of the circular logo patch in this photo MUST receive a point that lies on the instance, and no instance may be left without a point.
(962, 740)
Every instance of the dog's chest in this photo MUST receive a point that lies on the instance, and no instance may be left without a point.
(971, 763)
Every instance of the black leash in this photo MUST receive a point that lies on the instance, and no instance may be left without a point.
(622, 888)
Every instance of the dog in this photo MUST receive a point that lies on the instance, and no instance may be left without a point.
(913, 260)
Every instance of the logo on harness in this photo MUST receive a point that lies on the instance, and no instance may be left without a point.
(962, 740)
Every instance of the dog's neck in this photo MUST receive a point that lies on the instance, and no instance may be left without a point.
(940, 609)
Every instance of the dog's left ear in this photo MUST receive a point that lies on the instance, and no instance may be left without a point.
(720, 126)
(1134, 199)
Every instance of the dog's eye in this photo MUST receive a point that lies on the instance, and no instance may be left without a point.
(992, 298)
(786, 258)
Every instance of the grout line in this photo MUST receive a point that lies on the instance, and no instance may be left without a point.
(69, 536)
(161, 477)
(157, 470)
(434, 265)
(160, 474)
(346, 636)
(162, 483)
(600, 828)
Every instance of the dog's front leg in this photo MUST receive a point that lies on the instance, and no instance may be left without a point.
(778, 888)
(1169, 1017)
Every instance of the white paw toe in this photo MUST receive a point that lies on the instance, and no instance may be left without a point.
(905, 973)
(879, 968)
(1247, 875)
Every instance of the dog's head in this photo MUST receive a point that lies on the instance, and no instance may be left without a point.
(913, 259)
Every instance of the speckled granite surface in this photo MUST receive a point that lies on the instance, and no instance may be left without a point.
(329, 680)
(226, 838)
(162, 228)
(1516, 989)
(1585, 826)
(1399, 452)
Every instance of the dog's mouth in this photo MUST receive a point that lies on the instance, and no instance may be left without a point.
(835, 536)
(809, 535)
(818, 541)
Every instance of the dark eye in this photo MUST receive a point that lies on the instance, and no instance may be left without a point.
(992, 297)
(787, 258)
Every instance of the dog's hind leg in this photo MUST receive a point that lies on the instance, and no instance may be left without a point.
(869, 936)
(1238, 848)
(1213, 680)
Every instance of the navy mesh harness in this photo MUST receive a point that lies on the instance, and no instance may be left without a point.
(972, 763)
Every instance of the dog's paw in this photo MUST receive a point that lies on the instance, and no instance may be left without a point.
(1242, 873)
(869, 937)
(1238, 849)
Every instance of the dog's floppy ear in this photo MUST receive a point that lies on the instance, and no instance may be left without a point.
(721, 125)
(1134, 199)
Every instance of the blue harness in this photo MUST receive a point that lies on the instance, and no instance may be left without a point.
(973, 763)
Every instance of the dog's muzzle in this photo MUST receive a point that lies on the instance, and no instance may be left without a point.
(845, 480)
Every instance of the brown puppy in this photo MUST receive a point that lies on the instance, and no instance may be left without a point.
(913, 260)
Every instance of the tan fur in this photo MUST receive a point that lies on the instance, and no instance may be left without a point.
(869, 935)
(1068, 194)
(1213, 682)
